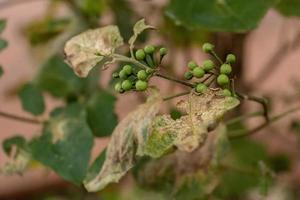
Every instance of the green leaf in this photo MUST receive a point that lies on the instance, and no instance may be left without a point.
(65, 144)
(3, 44)
(218, 15)
(1, 71)
(289, 7)
(86, 50)
(32, 99)
(96, 166)
(266, 178)
(100, 113)
(2, 25)
(138, 28)
(17, 141)
(56, 77)
(125, 143)
(92, 8)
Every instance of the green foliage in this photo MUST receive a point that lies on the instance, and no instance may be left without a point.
(65, 144)
(17, 141)
(214, 15)
(2, 25)
(96, 166)
(3, 44)
(100, 113)
(289, 7)
(1, 71)
(32, 99)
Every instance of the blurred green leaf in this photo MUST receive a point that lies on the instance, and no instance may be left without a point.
(32, 99)
(295, 126)
(2, 25)
(289, 7)
(175, 113)
(100, 113)
(65, 144)
(3, 44)
(280, 162)
(266, 178)
(92, 8)
(17, 141)
(96, 166)
(1, 71)
(216, 15)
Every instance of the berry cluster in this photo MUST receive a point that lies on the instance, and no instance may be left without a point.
(133, 78)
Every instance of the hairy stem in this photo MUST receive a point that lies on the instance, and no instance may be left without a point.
(174, 80)
(176, 95)
(214, 54)
(19, 118)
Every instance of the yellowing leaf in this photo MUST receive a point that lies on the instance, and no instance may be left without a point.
(138, 28)
(87, 49)
(17, 164)
(190, 131)
(127, 141)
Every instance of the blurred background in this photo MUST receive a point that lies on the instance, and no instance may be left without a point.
(266, 42)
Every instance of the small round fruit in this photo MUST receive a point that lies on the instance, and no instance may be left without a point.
(192, 65)
(163, 51)
(140, 54)
(225, 69)
(198, 72)
(123, 74)
(118, 87)
(149, 49)
(127, 69)
(226, 93)
(126, 85)
(201, 88)
(230, 58)
(141, 85)
(207, 47)
(115, 75)
(142, 75)
(222, 79)
(149, 71)
(208, 65)
(188, 75)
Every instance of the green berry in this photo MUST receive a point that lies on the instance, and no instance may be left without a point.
(123, 74)
(208, 65)
(226, 93)
(149, 71)
(126, 85)
(192, 65)
(225, 69)
(163, 51)
(222, 79)
(127, 69)
(198, 72)
(141, 85)
(201, 88)
(188, 75)
(142, 75)
(115, 75)
(230, 58)
(149, 49)
(207, 47)
(118, 87)
(140, 54)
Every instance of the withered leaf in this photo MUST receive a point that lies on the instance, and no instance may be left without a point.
(87, 49)
(138, 28)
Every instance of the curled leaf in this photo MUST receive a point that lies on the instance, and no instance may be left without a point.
(127, 141)
(87, 49)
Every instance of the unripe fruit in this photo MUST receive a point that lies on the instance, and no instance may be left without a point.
(149, 49)
(118, 87)
(198, 72)
(226, 93)
(208, 65)
(123, 74)
(188, 75)
(207, 47)
(192, 65)
(142, 75)
(126, 85)
(149, 71)
(222, 79)
(230, 58)
(115, 75)
(225, 69)
(140, 54)
(141, 85)
(201, 88)
(163, 51)
(127, 69)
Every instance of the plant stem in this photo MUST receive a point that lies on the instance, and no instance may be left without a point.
(214, 54)
(19, 118)
(244, 133)
(174, 80)
(176, 95)
(122, 58)
(259, 100)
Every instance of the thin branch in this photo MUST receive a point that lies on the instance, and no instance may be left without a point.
(19, 118)
(214, 54)
(176, 95)
(244, 133)
(174, 80)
